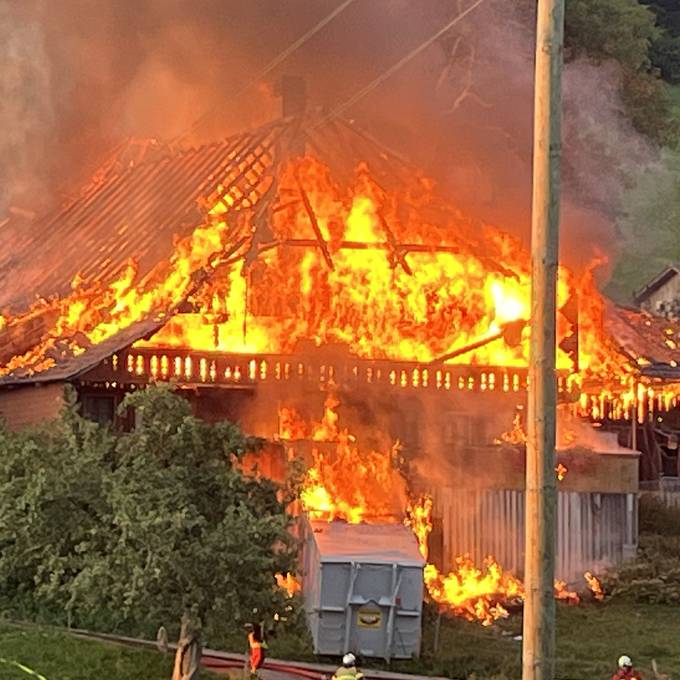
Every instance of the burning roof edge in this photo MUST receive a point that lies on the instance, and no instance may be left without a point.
(74, 366)
(642, 335)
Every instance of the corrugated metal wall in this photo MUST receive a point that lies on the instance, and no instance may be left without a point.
(594, 530)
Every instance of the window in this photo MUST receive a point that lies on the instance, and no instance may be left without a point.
(99, 408)
(464, 430)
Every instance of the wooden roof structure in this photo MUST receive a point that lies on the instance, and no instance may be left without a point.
(149, 195)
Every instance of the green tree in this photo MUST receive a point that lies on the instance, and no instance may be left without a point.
(125, 531)
(625, 31)
(649, 228)
(52, 509)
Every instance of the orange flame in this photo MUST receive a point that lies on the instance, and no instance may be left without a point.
(360, 288)
(561, 471)
(349, 484)
(288, 583)
(516, 435)
(595, 586)
(477, 594)
(391, 274)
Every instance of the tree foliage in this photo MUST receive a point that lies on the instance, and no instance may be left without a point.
(665, 52)
(125, 531)
(649, 227)
(625, 31)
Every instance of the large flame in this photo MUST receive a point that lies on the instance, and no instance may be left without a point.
(344, 482)
(391, 273)
(374, 274)
(473, 592)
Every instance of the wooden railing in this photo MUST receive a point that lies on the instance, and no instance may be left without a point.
(141, 365)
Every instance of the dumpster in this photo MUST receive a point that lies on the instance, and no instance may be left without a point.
(363, 589)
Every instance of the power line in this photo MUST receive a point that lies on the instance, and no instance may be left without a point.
(395, 67)
(276, 61)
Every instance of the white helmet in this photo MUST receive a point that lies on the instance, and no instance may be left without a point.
(349, 660)
(625, 662)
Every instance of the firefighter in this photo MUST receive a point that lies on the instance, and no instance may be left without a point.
(626, 670)
(256, 648)
(348, 670)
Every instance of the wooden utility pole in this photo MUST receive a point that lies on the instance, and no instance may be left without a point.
(541, 491)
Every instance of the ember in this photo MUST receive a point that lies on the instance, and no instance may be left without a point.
(516, 435)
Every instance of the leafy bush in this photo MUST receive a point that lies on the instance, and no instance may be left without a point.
(122, 532)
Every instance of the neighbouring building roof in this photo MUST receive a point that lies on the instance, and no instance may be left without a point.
(658, 282)
(650, 342)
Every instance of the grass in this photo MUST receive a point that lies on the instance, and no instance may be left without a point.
(58, 656)
(590, 638)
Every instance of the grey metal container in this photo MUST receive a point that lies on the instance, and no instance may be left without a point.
(363, 588)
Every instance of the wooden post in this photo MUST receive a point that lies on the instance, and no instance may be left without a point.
(437, 631)
(541, 492)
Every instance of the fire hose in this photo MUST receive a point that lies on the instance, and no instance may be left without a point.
(222, 661)
(21, 667)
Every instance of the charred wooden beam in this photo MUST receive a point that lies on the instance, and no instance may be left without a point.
(468, 348)
(315, 225)
(384, 245)
(511, 332)
(395, 248)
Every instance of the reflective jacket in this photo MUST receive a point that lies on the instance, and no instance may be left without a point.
(351, 673)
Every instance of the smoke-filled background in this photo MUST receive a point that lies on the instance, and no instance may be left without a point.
(79, 76)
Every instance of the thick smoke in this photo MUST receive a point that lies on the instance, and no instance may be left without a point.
(82, 76)
(25, 105)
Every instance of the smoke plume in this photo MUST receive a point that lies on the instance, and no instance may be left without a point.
(81, 76)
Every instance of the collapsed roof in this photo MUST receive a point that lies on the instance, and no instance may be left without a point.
(148, 198)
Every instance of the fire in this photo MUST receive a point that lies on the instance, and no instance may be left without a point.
(353, 283)
(468, 591)
(595, 586)
(564, 594)
(288, 583)
(392, 272)
(473, 593)
(293, 427)
(516, 435)
(561, 471)
(89, 316)
(347, 483)
(477, 594)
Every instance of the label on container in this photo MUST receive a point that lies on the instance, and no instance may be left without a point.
(369, 618)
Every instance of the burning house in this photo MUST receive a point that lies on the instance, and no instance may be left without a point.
(306, 282)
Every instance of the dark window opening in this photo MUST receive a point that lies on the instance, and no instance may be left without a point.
(100, 409)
